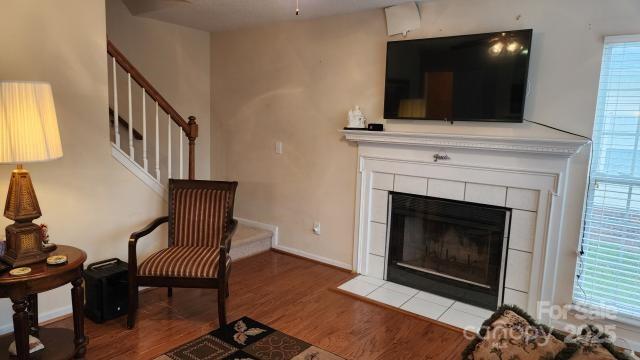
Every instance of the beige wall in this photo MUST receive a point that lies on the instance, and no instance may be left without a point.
(295, 82)
(88, 199)
(175, 59)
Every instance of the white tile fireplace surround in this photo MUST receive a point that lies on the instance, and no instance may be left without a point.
(527, 176)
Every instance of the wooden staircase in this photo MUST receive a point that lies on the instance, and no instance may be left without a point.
(157, 141)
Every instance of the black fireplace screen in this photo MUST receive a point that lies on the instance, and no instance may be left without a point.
(450, 248)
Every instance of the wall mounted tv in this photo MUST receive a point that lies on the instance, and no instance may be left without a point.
(480, 77)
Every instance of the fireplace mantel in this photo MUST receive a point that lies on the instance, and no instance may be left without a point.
(550, 147)
(527, 175)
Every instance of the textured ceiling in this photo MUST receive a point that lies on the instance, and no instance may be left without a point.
(217, 15)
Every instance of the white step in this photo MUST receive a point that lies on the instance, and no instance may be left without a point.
(248, 241)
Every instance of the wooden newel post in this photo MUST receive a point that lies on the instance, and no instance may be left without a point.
(193, 134)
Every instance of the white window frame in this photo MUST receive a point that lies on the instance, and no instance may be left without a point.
(621, 39)
(627, 322)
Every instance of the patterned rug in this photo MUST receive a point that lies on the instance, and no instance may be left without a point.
(247, 339)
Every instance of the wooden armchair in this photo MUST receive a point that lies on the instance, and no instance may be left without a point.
(201, 226)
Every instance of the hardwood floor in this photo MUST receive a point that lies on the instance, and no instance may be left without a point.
(287, 293)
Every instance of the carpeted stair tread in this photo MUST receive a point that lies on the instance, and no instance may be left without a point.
(246, 234)
(248, 241)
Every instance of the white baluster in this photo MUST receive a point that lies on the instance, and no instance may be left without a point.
(157, 145)
(145, 161)
(181, 148)
(169, 147)
(131, 155)
(116, 125)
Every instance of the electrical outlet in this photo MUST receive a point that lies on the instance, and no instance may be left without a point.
(316, 228)
(279, 147)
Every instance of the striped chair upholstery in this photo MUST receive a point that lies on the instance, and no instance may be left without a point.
(199, 215)
(182, 261)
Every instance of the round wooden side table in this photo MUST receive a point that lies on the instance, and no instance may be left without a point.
(23, 292)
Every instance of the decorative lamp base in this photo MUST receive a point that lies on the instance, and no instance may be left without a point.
(24, 245)
(24, 239)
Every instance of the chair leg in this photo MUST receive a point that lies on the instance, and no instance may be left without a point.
(133, 305)
(226, 283)
(222, 310)
(169, 292)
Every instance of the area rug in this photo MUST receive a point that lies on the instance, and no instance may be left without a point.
(247, 339)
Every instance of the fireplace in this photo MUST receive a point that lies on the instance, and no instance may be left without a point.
(450, 248)
(528, 176)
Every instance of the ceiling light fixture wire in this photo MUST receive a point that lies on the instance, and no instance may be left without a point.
(297, 7)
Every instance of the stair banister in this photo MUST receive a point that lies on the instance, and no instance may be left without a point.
(190, 128)
(157, 144)
(169, 157)
(145, 161)
(116, 117)
(131, 148)
(193, 134)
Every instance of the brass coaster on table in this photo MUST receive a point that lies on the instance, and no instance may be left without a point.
(57, 260)
(20, 271)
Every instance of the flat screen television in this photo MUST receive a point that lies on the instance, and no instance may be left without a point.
(480, 77)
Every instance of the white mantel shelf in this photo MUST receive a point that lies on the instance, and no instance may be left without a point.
(553, 147)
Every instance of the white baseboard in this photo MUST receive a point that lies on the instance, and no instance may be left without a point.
(263, 226)
(42, 317)
(307, 255)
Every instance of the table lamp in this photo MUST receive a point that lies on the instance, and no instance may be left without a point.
(28, 133)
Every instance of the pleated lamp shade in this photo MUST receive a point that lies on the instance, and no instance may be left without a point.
(28, 124)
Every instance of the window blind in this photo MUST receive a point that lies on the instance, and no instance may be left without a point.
(608, 273)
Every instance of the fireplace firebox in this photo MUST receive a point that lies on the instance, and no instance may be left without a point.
(450, 248)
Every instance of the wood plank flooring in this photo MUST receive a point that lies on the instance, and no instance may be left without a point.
(287, 293)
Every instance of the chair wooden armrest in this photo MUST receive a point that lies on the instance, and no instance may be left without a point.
(228, 235)
(133, 241)
(148, 229)
(223, 267)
